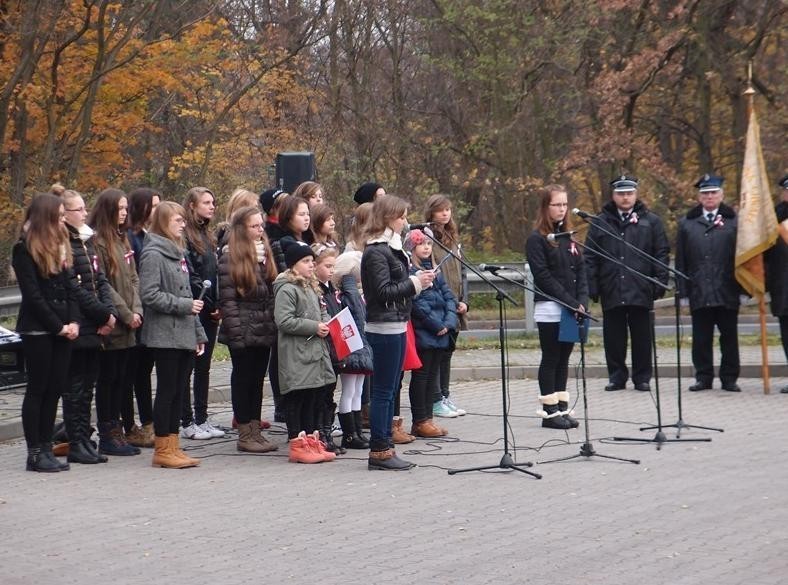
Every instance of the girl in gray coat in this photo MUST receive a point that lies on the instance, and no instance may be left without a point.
(172, 331)
(304, 362)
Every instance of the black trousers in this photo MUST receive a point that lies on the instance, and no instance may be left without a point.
(172, 375)
(202, 371)
(300, 410)
(445, 374)
(47, 359)
(424, 383)
(246, 381)
(619, 324)
(554, 367)
(138, 368)
(111, 383)
(703, 323)
(784, 333)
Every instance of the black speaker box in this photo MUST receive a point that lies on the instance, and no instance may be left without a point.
(293, 168)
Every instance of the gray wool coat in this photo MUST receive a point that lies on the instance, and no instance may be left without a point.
(167, 297)
(304, 360)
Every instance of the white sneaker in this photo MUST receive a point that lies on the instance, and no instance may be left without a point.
(450, 403)
(195, 432)
(215, 432)
(441, 409)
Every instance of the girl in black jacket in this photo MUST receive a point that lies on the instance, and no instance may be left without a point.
(388, 290)
(96, 320)
(246, 299)
(200, 206)
(47, 323)
(559, 272)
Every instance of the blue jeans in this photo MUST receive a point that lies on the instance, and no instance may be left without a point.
(388, 355)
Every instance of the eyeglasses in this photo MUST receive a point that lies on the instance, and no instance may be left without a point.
(558, 204)
(255, 226)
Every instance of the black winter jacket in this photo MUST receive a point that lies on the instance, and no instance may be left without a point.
(360, 361)
(388, 289)
(777, 268)
(47, 303)
(558, 271)
(95, 306)
(246, 321)
(613, 284)
(705, 252)
(434, 309)
(203, 267)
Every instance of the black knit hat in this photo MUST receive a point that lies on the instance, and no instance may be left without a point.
(295, 251)
(269, 197)
(366, 193)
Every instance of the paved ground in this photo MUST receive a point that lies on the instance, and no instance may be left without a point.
(690, 513)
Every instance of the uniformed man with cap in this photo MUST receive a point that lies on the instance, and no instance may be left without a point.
(626, 297)
(705, 252)
(777, 269)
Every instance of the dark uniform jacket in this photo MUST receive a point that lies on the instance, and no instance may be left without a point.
(705, 252)
(777, 268)
(558, 271)
(613, 284)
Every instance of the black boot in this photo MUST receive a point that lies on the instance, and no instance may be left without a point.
(75, 418)
(59, 434)
(46, 453)
(350, 437)
(358, 421)
(37, 462)
(325, 432)
(564, 408)
(554, 420)
(85, 410)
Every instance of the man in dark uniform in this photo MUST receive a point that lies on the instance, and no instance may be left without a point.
(777, 269)
(626, 297)
(705, 252)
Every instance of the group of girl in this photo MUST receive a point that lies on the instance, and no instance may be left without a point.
(143, 282)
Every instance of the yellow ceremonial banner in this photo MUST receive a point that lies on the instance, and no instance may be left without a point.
(757, 229)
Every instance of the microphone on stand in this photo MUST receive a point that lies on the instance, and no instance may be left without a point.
(491, 267)
(560, 236)
(581, 213)
(206, 284)
(419, 226)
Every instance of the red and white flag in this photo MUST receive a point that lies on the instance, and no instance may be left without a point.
(344, 334)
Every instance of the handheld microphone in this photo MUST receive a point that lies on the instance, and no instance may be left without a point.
(420, 226)
(206, 284)
(560, 235)
(581, 213)
(491, 267)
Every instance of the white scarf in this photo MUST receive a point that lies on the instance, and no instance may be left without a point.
(260, 249)
(393, 240)
(85, 232)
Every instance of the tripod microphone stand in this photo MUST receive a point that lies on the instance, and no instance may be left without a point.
(507, 461)
(680, 424)
(587, 449)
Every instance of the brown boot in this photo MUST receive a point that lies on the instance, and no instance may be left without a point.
(164, 456)
(398, 434)
(426, 429)
(137, 437)
(443, 431)
(148, 434)
(246, 439)
(260, 439)
(176, 448)
(60, 449)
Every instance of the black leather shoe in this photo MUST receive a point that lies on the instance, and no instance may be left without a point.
(643, 387)
(731, 387)
(614, 387)
(698, 386)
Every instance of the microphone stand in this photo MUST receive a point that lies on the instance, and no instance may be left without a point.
(507, 461)
(659, 437)
(586, 449)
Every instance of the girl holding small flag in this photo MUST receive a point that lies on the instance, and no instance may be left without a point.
(304, 362)
(434, 320)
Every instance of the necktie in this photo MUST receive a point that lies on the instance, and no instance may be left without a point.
(710, 217)
(624, 217)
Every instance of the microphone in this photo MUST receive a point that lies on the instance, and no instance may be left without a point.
(420, 226)
(491, 267)
(560, 235)
(206, 284)
(581, 213)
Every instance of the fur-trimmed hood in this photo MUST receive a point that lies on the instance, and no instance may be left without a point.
(290, 277)
(725, 211)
